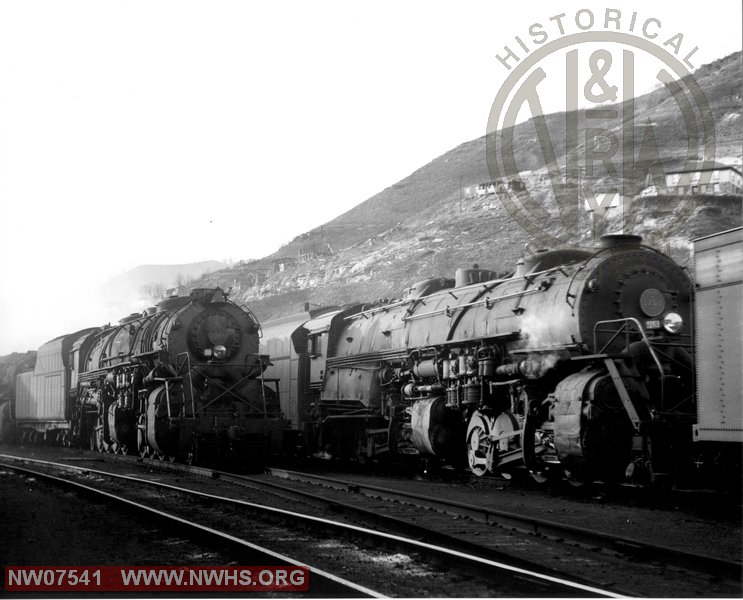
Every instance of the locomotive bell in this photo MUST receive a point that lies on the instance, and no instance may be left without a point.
(465, 277)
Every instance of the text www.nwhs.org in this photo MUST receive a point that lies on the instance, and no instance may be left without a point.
(140, 578)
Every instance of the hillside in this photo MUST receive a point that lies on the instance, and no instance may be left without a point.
(422, 226)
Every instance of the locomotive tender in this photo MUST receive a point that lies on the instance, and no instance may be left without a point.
(183, 379)
(581, 364)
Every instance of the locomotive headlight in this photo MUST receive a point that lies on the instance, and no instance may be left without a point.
(219, 352)
(673, 322)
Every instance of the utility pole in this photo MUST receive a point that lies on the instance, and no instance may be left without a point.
(460, 193)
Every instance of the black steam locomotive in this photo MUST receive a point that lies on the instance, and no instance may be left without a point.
(183, 379)
(579, 364)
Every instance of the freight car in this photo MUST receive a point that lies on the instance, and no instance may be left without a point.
(718, 325)
(10, 367)
(183, 379)
(578, 364)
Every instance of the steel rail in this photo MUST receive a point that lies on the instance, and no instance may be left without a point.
(382, 537)
(221, 535)
(401, 527)
(625, 545)
(531, 525)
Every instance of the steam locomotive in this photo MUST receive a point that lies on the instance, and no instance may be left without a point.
(579, 364)
(183, 379)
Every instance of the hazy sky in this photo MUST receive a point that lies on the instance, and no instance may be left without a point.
(141, 132)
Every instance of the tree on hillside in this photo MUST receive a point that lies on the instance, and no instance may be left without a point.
(182, 280)
(152, 291)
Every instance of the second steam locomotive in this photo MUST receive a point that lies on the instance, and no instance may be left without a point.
(183, 379)
(580, 363)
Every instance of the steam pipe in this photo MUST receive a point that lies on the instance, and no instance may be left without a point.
(530, 368)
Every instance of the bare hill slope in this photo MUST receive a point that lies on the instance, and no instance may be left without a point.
(422, 226)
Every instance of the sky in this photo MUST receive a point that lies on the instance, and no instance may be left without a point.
(168, 132)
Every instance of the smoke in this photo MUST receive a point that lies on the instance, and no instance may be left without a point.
(538, 365)
(537, 329)
(29, 320)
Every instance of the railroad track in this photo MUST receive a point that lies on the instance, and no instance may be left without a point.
(323, 582)
(643, 568)
(589, 538)
(644, 563)
(511, 579)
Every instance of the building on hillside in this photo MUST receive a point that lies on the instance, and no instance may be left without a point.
(603, 201)
(715, 180)
(178, 290)
(282, 264)
(254, 276)
(493, 187)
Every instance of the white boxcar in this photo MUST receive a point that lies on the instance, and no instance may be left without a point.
(718, 316)
(42, 394)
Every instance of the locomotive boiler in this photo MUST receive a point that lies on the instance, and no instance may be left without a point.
(578, 364)
(183, 379)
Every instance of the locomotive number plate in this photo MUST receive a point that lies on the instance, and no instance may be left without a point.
(652, 302)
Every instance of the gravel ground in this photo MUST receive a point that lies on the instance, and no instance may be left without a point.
(36, 538)
(707, 526)
(43, 524)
